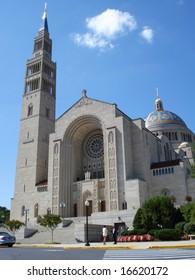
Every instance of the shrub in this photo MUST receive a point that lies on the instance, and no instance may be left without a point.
(187, 210)
(133, 232)
(180, 226)
(158, 211)
(137, 221)
(153, 231)
(168, 234)
(189, 228)
(125, 233)
(137, 232)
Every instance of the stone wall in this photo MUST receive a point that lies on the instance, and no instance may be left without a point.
(94, 232)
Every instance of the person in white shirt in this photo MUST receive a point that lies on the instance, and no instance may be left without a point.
(105, 234)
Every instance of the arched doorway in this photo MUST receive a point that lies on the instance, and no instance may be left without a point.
(83, 151)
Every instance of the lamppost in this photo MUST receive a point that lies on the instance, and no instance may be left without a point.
(87, 233)
(36, 210)
(26, 211)
(99, 204)
(62, 206)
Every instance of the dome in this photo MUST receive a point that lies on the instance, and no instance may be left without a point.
(161, 118)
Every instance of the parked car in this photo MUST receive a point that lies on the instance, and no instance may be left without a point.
(7, 239)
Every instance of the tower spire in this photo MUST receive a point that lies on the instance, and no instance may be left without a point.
(44, 18)
(158, 102)
(157, 95)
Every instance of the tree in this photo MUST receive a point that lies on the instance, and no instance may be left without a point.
(13, 226)
(188, 198)
(50, 221)
(193, 166)
(4, 214)
(158, 212)
(137, 221)
(188, 211)
(193, 171)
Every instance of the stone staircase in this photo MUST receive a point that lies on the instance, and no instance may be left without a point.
(63, 235)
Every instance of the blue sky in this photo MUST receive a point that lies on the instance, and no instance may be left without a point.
(120, 51)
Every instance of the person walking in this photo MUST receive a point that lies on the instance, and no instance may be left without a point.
(115, 234)
(104, 234)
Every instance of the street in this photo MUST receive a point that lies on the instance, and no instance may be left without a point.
(94, 254)
(49, 254)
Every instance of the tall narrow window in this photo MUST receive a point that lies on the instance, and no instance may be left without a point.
(30, 110)
(22, 210)
(47, 112)
(36, 210)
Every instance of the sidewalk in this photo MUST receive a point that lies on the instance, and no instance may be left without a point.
(119, 245)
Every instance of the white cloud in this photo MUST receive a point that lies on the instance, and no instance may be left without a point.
(111, 23)
(147, 34)
(104, 28)
(91, 41)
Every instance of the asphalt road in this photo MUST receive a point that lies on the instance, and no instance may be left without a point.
(94, 254)
(50, 254)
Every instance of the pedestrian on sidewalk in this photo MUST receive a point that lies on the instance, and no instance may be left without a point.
(115, 234)
(104, 234)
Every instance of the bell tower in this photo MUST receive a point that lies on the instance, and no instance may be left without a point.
(37, 123)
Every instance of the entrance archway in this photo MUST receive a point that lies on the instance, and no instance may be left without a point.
(83, 152)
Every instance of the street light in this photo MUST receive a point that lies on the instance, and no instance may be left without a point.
(87, 236)
(62, 206)
(26, 211)
(99, 204)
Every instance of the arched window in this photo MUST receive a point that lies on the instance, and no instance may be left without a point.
(30, 110)
(165, 192)
(124, 205)
(110, 137)
(56, 149)
(47, 111)
(22, 210)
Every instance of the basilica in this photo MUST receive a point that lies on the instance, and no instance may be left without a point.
(94, 152)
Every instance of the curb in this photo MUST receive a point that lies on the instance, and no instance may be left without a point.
(171, 246)
(101, 247)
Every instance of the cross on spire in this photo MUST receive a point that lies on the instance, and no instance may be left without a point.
(44, 17)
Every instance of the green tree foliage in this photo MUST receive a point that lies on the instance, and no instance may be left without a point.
(189, 228)
(50, 221)
(193, 171)
(169, 234)
(157, 212)
(4, 214)
(13, 225)
(193, 166)
(188, 211)
(137, 221)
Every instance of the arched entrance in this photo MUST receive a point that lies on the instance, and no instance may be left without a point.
(83, 154)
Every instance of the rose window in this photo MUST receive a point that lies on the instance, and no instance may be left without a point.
(94, 146)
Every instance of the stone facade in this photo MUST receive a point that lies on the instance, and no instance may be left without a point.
(93, 152)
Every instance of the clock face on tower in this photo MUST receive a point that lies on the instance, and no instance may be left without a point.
(94, 146)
